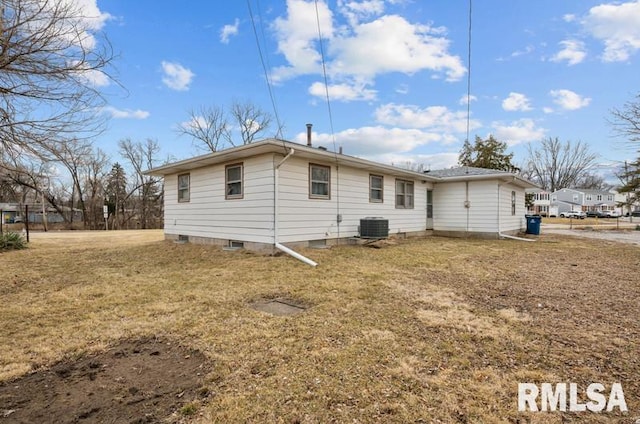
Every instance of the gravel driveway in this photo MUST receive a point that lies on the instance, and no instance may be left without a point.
(630, 237)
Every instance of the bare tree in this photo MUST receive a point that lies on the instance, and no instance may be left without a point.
(146, 192)
(49, 56)
(626, 121)
(209, 127)
(252, 121)
(554, 164)
(593, 182)
(74, 155)
(95, 175)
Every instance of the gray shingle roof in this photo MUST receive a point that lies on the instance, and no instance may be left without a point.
(462, 171)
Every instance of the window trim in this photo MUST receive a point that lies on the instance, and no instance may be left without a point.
(311, 181)
(228, 196)
(513, 203)
(413, 192)
(371, 189)
(187, 198)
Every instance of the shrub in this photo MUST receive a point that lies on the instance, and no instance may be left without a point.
(12, 240)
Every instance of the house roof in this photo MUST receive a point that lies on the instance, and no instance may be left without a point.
(469, 173)
(318, 154)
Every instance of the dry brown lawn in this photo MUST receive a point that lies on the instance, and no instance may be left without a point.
(425, 330)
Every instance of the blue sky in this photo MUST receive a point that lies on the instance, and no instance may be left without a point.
(397, 71)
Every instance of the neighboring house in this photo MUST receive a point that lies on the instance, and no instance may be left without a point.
(568, 199)
(275, 192)
(622, 203)
(542, 204)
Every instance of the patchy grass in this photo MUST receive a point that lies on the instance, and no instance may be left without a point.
(429, 330)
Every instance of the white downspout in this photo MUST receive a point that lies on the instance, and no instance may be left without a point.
(276, 205)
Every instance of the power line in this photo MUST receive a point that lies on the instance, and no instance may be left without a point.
(266, 72)
(333, 136)
(469, 74)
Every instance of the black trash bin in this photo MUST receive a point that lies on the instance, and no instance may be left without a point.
(533, 224)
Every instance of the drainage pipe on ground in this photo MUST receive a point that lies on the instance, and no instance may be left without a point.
(276, 195)
(295, 254)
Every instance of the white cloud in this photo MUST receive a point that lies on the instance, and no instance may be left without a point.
(93, 77)
(569, 17)
(573, 52)
(88, 19)
(176, 76)
(520, 131)
(378, 140)
(360, 50)
(297, 37)
(392, 44)
(402, 89)
(229, 30)
(569, 100)
(125, 113)
(516, 102)
(464, 100)
(342, 92)
(437, 118)
(526, 51)
(355, 11)
(547, 110)
(618, 26)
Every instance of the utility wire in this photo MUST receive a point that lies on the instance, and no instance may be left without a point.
(333, 136)
(469, 74)
(266, 74)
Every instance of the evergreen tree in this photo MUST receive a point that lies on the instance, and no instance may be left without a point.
(489, 153)
(116, 192)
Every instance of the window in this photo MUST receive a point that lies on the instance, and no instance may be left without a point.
(376, 188)
(513, 203)
(430, 204)
(233, 181)
(610, 197)
(588, 197)
(183, 188)
(404, 194)
(575, 198)
(599, 197)
(319, 181)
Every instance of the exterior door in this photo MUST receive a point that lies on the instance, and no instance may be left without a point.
(429, 209)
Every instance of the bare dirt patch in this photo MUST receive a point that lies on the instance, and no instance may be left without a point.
(140, 381)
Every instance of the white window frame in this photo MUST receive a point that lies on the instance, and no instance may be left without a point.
(404, 196)
(326, 182)
(228, 183)
(372, 189)
(184, 190)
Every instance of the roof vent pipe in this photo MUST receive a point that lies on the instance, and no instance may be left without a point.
(309, 134)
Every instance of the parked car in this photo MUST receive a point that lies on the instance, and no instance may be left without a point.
(612, 214)
(596, 214)
(573, 214)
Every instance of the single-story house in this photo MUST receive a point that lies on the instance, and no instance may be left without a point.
(271, 193)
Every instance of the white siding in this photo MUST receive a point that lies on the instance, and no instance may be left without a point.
(509, 222)
(302, 218)
(209, 214)
(450, 214)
